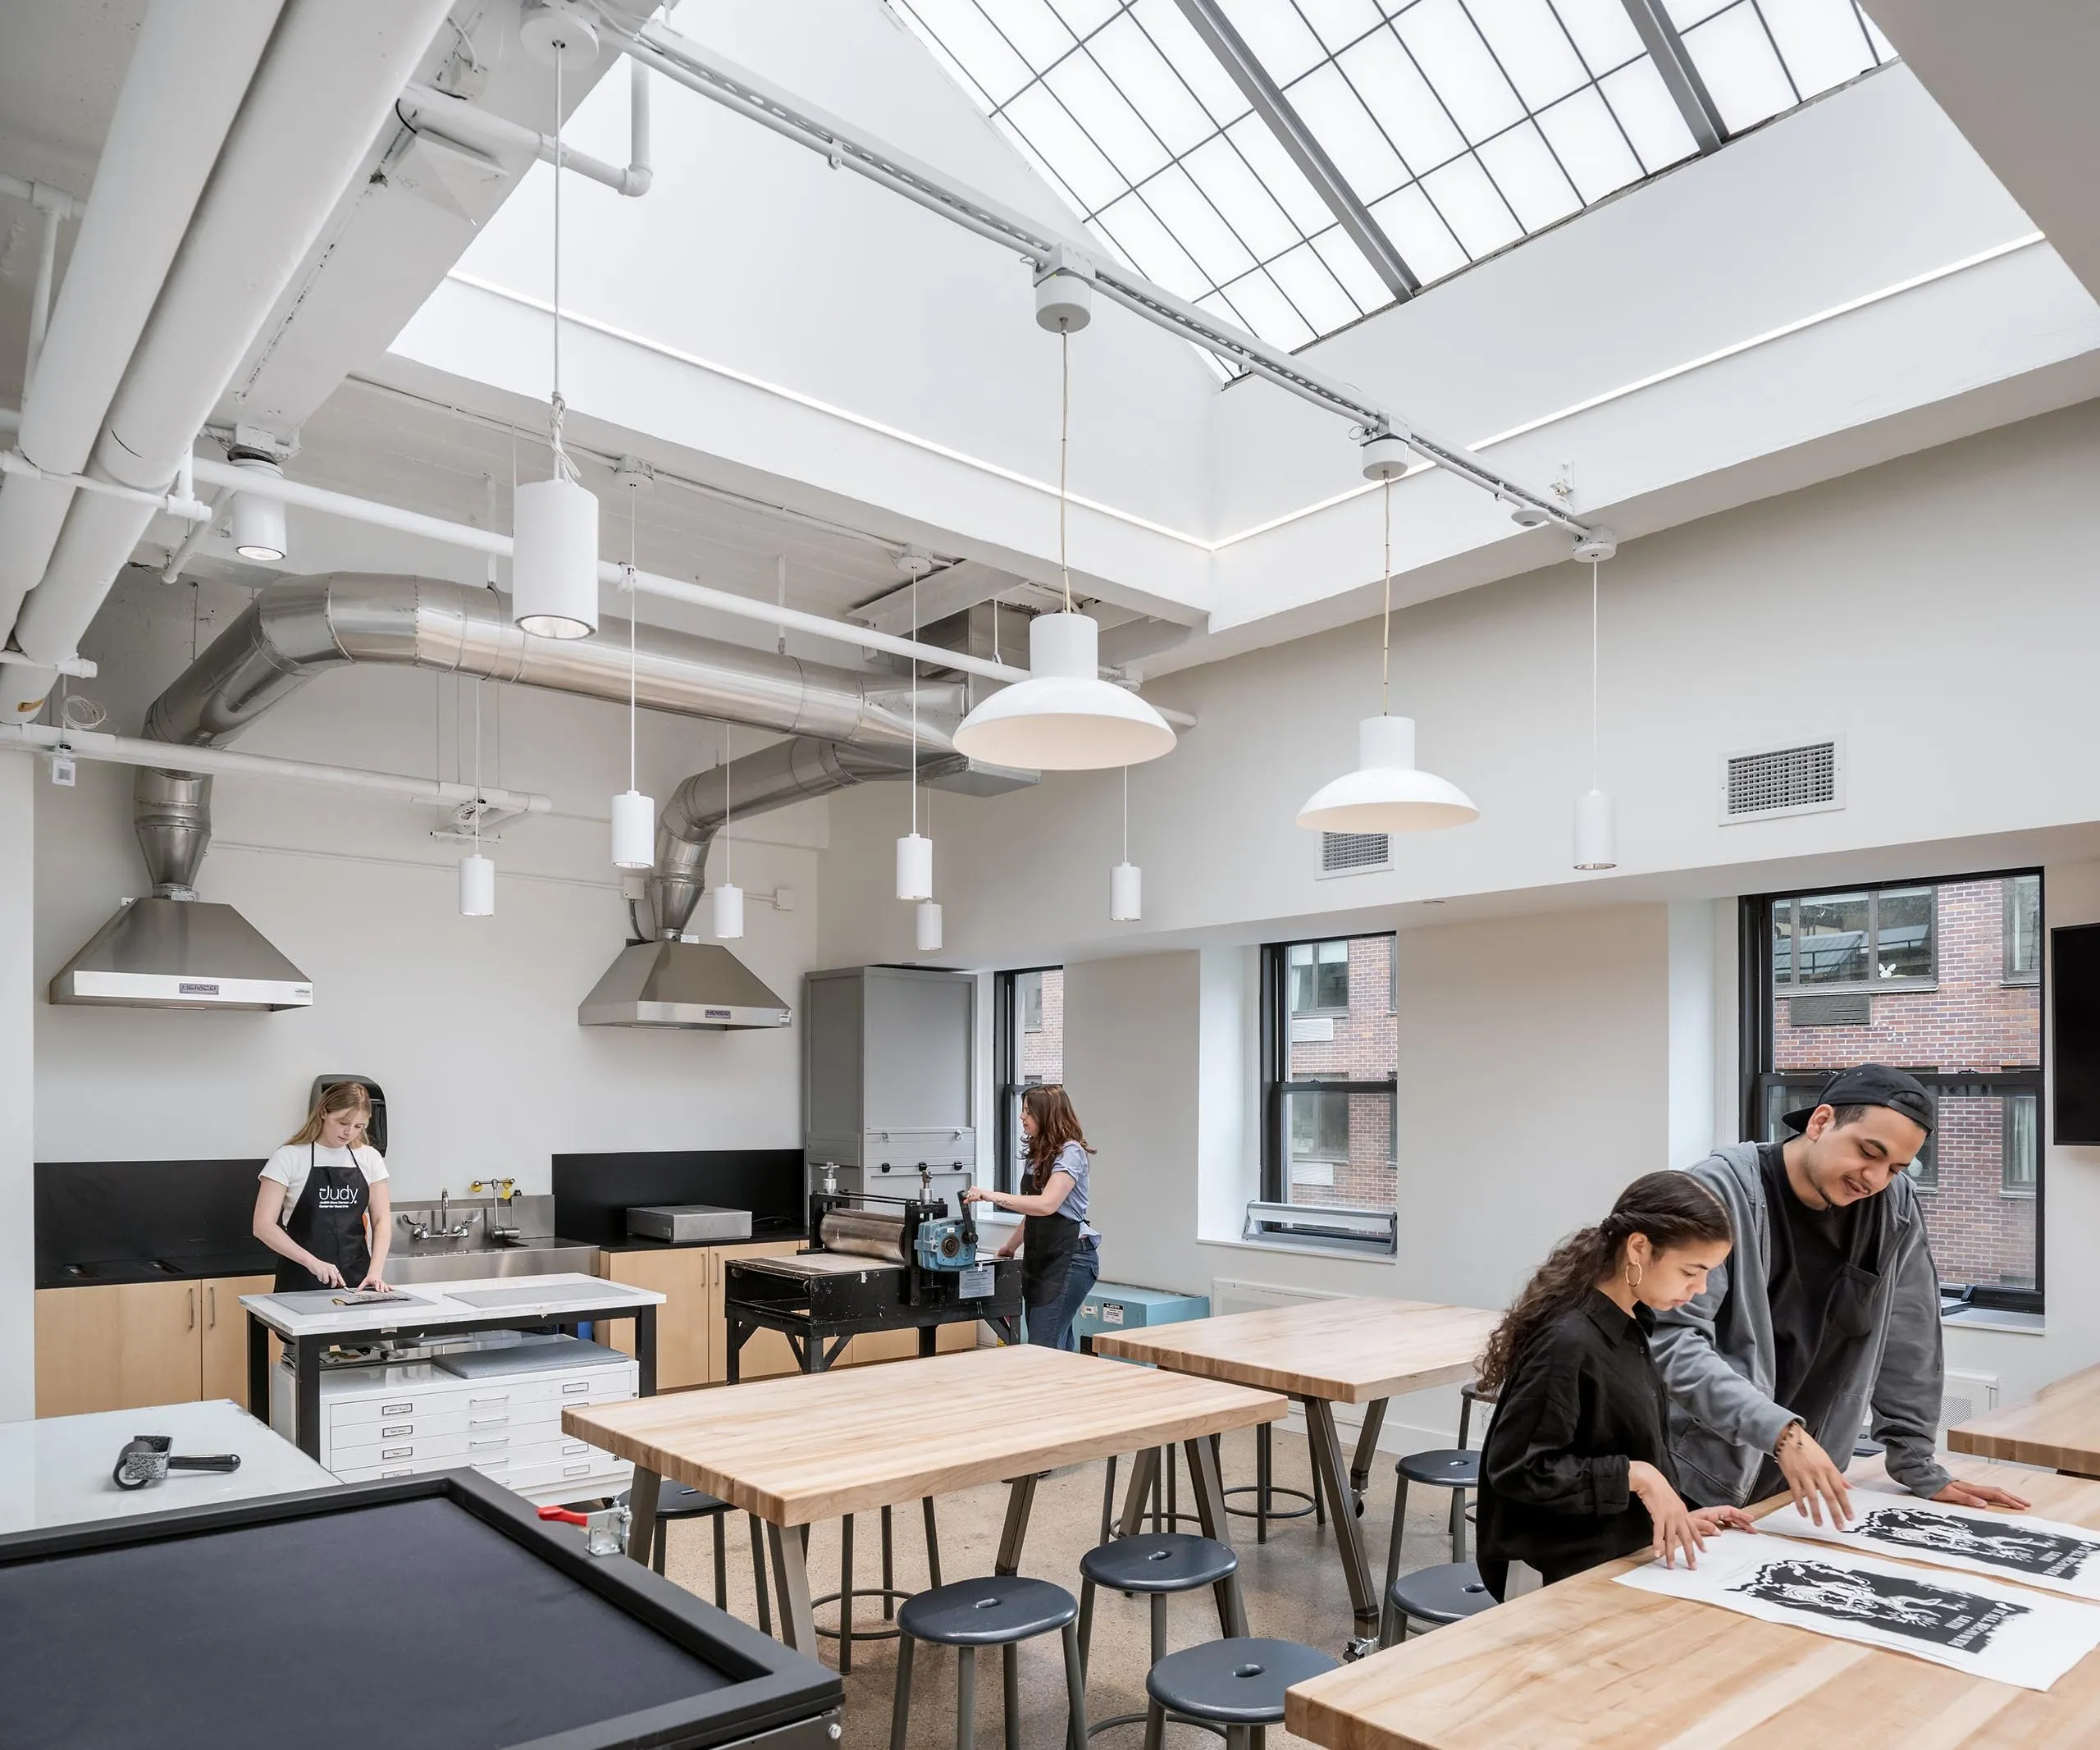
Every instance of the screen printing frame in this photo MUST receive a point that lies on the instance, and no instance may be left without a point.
(772, 1689)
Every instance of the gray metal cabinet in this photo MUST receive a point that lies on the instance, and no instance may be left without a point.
(889, 1076)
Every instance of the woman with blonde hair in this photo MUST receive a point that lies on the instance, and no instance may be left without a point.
(1059, 1252)
(323, 1206)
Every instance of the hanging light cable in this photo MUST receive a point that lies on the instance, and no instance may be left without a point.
(728, 900)
(1126, 880)
(1064, 717)
(634, 815)
(1386, 793)
(1596, 813)
(553, 570)
(915, 852)
(477, 872)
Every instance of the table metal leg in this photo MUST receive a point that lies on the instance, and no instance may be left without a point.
(306, 1398)
(259, 1369)
(1367, 1448)
(1348, 1531)
(758, 1575)
(642, 1513)
(1205, 1485)
(645, 1350)
(1144, 1472)
(846, 1595)
(791, 1585)
(933, 1543)
(1108, 1501)
(1264, 1475)
(889, 1568)
(1020, 1497)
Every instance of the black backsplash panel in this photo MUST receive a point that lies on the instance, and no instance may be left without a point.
(197, 1215)
(594, 1192)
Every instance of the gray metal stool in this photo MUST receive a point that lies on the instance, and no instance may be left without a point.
(1237, 1685)
(1001, 1611)
(889, 1591)
(1447, 1593)
(1155, 1563)
(679, 1501)
(1454, 1467)
(1265, 1492)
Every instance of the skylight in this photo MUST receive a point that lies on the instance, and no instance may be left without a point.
(1295, 164)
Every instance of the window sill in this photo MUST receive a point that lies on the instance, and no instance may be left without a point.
(1995, 1318)
(1305, 1248)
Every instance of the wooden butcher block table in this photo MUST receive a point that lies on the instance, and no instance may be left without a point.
(1590, 1664)
(2060, 1429)
(810, 1446)
(1352, 1350)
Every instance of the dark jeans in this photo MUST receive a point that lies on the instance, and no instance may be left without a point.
(1050, 1322)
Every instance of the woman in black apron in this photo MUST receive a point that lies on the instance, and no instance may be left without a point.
(323, 1205)
(1060, 1253)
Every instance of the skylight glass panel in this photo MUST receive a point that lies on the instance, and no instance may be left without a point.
(1456, 127)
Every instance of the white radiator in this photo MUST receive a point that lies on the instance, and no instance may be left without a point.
(1963, 1397)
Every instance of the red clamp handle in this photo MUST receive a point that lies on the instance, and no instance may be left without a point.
(565, 1516)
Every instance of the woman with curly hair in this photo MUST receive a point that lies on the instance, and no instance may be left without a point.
(1575, 1469)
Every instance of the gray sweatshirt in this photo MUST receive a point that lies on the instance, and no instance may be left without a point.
(1716, 1353)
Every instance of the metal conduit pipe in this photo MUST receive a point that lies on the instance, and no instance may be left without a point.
(426, 110)
(297, 628)
(325, 86)
(190, 68)
(772, 777)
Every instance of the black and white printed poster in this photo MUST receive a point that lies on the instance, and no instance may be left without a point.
(2047, 1553)
(1986, 1628)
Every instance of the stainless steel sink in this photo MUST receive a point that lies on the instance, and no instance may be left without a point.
(461, 1260)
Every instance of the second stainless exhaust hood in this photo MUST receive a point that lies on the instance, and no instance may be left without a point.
(679, 984)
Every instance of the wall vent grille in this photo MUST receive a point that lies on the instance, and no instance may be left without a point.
(1805, 779)
(1352, 853)
(1965, 1396)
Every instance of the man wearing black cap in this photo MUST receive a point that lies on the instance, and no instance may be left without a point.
(1825, 1314)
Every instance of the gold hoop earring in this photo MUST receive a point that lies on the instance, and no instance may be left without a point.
(1632, 1273)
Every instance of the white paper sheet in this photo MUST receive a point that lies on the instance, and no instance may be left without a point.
(1990, 1629)
(2047, 1553)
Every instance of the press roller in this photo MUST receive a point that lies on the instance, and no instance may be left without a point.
(920, 1233)
(867, 1233)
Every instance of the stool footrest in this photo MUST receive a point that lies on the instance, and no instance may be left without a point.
(1274, 1513)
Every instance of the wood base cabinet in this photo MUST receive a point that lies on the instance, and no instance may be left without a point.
(130, 1344)
(692, 1337)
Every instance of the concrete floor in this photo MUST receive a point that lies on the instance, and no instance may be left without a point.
(1293, 1587)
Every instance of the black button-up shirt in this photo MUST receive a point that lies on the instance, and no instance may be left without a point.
(1581, 1403)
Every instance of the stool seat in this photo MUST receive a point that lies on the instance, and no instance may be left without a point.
(991, 1612)
(1162, 1561)
(1447, 1593)
(677, 1501)
(1446, 1468)
(1239, 1682)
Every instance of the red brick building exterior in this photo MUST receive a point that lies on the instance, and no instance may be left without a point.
(1980, 1012)
(1341, 1145)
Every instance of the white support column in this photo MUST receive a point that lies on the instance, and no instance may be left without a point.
(18, 994)
(1691, 1030)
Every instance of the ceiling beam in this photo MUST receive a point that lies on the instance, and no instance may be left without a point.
(949, 591)
(1297, 138)
(1673, 61)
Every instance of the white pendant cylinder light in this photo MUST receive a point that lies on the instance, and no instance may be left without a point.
(258, 522)
(926, 922)
(634, 815)
(1596, 813)
(727, 900)
(1126, 883)
(1386, 793)
(1064, 717)
(915, 866)
(476, 886)
(553, 561)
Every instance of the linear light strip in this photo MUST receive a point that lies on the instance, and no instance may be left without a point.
(1653, 380)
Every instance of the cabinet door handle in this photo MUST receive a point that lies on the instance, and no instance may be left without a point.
(211, 1306)
(189, 1295)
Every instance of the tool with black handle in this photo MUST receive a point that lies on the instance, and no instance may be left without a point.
(146, 1459)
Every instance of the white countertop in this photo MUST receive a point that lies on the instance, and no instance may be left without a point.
(565, 1295)
(56, 1470)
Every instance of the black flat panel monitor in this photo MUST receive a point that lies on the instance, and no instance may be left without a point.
(2074, 1034)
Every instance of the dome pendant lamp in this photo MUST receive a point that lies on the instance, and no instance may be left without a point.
(634, 815)
(915, 851)
(554, 564)
(1386, 793)
(477, 872)
(1596, 811)
(1064, 717)
(1126, 881)
(727, 900)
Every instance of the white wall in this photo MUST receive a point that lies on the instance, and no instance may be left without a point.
(469, 1024)
(17, 1089)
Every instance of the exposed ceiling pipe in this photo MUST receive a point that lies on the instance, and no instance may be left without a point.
(303, 626)
(772, 777)
(325, 87)
(428, 110)
(192, 63)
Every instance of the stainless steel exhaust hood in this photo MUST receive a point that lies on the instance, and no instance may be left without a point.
(181, 954)
(679, 984)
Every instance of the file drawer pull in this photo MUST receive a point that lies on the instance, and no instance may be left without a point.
(497, 1440)
(397, 1409)
(575, 1387)
(576, 1470)
(474, 1404)
(406, 1470)
(397, 1430)
(571, 1448)
(398, 1452)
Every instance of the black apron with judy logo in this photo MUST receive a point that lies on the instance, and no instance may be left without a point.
(328, 1220)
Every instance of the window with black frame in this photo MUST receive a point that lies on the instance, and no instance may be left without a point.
(1940, 978)
(1331, 1052)
(1028, 1049)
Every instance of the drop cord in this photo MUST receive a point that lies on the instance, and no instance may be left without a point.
(633, 601)
(1127, 813)
(1593, 674)
(1064, 442)
(726, 881)
(564, 469)
(1385, 634)
(914, 706)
